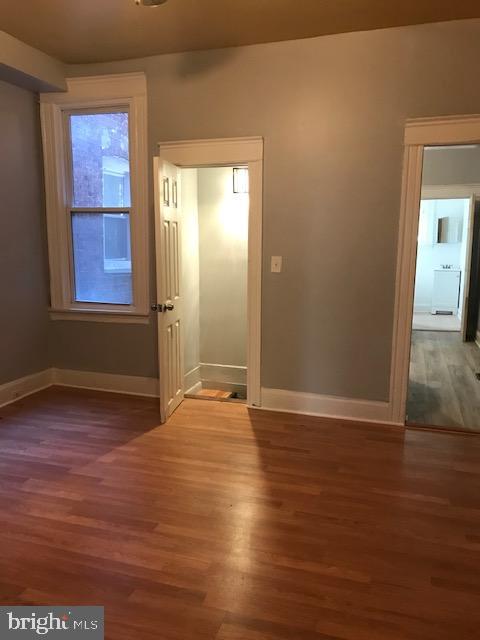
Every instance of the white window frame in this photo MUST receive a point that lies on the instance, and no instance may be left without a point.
(127, 91)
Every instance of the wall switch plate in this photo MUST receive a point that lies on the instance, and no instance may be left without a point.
(276, 264)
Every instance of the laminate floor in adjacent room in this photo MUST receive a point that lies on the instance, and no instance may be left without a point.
(227, 524)
(443, 390)
(437, 322)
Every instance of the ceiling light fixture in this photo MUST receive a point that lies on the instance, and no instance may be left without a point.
(150, 3)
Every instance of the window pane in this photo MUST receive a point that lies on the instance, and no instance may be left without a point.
(100, 160)
(102, 257)
(116, 236)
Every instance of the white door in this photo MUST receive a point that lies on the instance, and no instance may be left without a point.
(169, 299)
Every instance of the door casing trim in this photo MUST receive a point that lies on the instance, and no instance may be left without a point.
(419, 133)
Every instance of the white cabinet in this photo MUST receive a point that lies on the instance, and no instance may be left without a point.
(446, 290)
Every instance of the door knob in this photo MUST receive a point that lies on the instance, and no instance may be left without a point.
(161, 308)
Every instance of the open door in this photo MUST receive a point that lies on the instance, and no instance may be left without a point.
(169, 299)
(464, 303)
(473, 300)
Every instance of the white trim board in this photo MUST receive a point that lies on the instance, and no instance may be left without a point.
(312, 404)
(442, 130)
(192, 379)
(115, 383)
(422, 308)
(98, 88)
(22, 387)
(219, 372)
(119, 90)
(216, 376)
(194, 389)
(98, 316)
(214, 152)
(272, 399)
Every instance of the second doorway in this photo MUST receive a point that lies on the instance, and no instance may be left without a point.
(215, 208)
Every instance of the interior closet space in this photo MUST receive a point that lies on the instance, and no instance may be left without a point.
(215, 205)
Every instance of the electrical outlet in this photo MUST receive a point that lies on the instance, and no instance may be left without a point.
(276, 264)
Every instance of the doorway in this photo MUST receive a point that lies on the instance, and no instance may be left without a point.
(214, 274)
(443, 388)
(208, 230)
(443, 261)
(442, 376)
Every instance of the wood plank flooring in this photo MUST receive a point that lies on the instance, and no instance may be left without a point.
(443, 390)
(227, 524)
(210, 394)
(217, 394)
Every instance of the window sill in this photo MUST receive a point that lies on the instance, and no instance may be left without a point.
(91, 315)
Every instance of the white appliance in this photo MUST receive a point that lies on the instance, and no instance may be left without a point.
(446, 291)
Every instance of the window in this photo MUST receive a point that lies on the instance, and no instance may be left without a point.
(100, 153)
(100, 172)
(96, 198)
(101, 258)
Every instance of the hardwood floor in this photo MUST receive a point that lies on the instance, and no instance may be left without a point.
(443, 390)
(210, 394)
(216, 394)
(227, 524)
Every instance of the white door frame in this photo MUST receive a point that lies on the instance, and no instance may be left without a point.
(418, 134)
(230, 152)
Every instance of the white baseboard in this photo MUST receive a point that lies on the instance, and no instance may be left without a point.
(192, 391)
(216, 376)
(16, 389)
(422, 308)
(326, 406)
(192, 380)
(224, 377)
(130, 385)
(223, 373)
(272, 399)
(240, 389)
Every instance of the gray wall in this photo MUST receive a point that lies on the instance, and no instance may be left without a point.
(23, 263)
(332, 111)
(28, 67)
(223, 226)
(458, 165)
